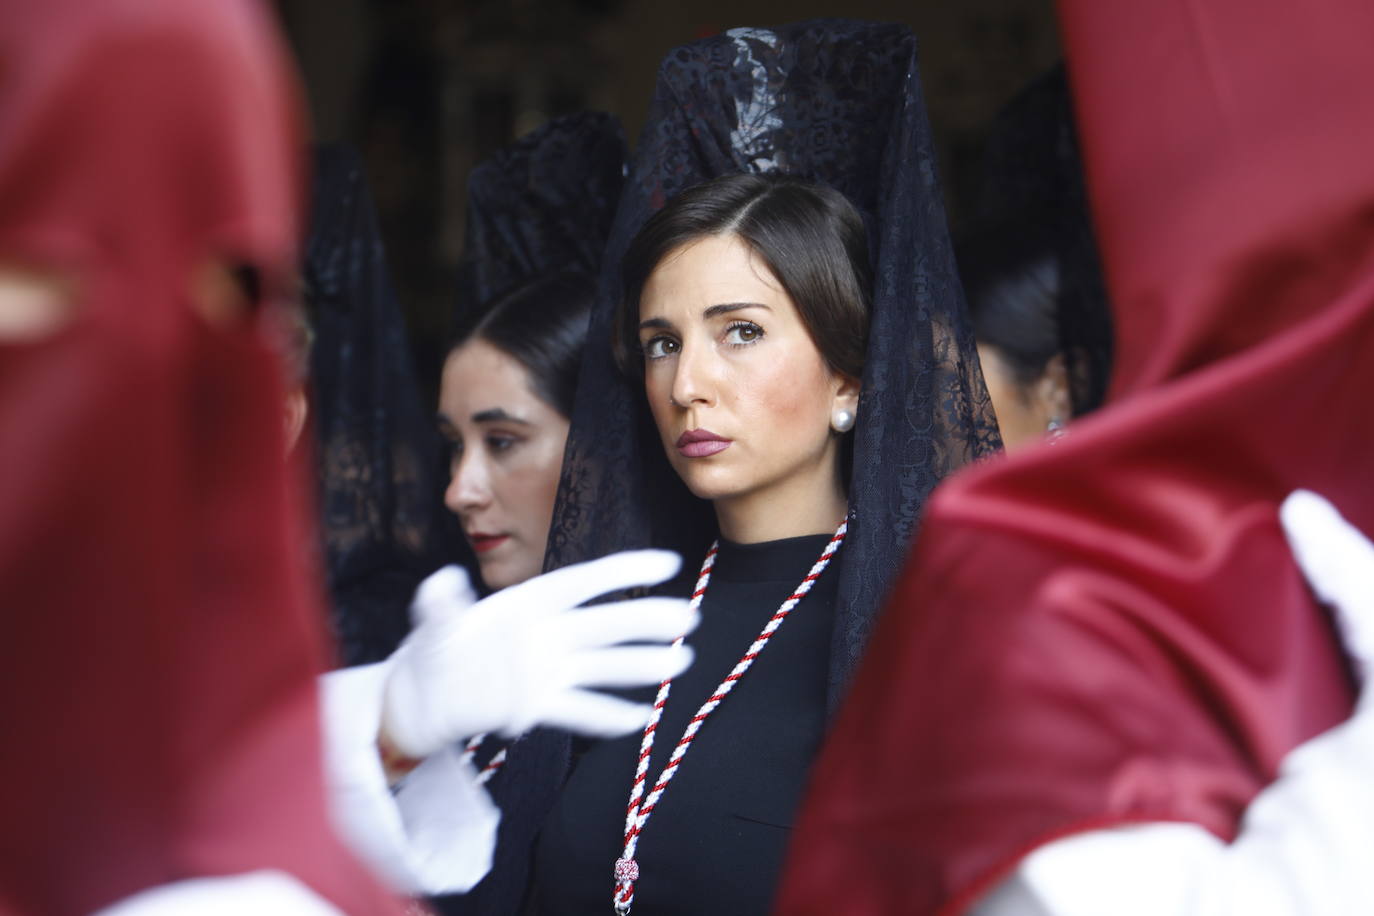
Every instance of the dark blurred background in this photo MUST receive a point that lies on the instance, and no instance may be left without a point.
(425, 89)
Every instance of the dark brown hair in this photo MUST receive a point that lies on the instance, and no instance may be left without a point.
(810, 236)
(542, 325)
(1010, 271)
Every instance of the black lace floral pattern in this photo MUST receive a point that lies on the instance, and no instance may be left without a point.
(381, 511)
(540, 205)
(837, 102)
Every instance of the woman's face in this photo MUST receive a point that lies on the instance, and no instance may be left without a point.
(742, 398)
(507, 456)
(1024, 411)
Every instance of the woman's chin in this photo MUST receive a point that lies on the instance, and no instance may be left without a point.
(712, 484)
(505, 572)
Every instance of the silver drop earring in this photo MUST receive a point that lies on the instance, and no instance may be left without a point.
(842, 421)
(1054, 430)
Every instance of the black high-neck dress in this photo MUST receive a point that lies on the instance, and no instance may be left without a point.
(716, 841)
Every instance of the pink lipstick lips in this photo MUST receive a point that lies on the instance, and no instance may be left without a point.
(701, 443)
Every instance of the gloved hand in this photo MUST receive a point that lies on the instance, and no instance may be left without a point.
(1338, 562)
(526, 655)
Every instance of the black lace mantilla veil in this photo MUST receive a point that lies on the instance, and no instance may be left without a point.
(832, 101)
(542, 204)
(1033, 171)
(381, 509)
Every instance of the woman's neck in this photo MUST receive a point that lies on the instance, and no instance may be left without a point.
(778, 513)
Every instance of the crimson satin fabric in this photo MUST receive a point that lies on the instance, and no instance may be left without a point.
(160, 637)
(1111, 629)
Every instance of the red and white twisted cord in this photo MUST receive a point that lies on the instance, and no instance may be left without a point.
(637, 815)
(493, 765)
(646, 743)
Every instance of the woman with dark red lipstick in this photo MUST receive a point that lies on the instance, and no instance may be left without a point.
(539, 213)
(504, 402)
(778, 403)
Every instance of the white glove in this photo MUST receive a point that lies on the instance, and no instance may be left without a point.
(525, 656)
(263, 893)
(436, 832)
(1338, 562)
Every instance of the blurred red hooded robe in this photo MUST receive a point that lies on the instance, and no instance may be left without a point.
(161, 635)
(1112, 630)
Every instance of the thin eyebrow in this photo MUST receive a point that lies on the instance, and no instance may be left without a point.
(713, 311)
(497, 415)
(726, 307)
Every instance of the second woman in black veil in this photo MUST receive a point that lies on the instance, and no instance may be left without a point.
(837, 104)
(402, 790)
(539, 213)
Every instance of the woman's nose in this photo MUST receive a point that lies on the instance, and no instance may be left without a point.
(694, 378)
(469, 488)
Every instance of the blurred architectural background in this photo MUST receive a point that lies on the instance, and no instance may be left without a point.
(427, 88)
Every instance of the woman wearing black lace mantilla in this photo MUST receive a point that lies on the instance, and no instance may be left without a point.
(539, 212)
(781, 394)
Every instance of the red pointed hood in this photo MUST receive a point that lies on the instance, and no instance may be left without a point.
(1112, 629)
(161, 636)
